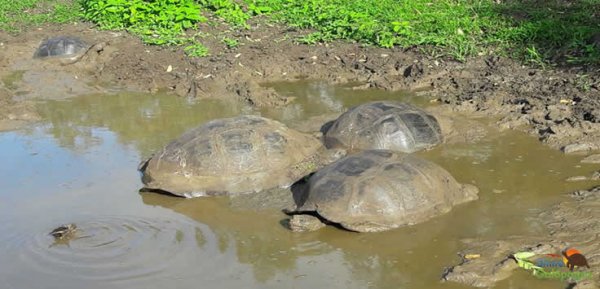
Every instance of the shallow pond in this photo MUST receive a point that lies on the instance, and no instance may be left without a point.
(79, 165)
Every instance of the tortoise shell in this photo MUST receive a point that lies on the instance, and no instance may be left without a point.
(377, 190)
(61, 46)
(384, 125)
(231, 155)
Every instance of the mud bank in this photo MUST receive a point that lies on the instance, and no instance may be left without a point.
(561, 107)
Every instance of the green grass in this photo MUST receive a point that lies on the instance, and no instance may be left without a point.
(16, 16)
(537, 31)
(549, 32)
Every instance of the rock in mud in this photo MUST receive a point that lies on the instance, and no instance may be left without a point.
(592, 159)
(584, 194)
(305, 223)
(580, 147)
(577, 179)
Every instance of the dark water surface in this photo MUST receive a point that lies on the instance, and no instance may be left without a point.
(79, 165)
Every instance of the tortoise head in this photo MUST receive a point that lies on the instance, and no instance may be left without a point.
(467, 193)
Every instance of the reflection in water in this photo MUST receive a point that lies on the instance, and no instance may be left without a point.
(79, 165)
(265, 245)
(258, 239)
(144, 121)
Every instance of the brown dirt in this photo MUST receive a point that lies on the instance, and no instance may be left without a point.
(15, 114)
(561, 107)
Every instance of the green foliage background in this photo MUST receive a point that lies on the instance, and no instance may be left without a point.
(538, 32)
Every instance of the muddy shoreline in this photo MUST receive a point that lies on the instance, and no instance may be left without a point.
(559, 106)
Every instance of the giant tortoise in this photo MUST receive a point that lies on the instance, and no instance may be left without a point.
(234, 155)
(378, 190)
(389, 125)
(68, 49)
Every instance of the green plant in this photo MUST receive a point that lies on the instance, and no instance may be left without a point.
(230, 42)
(583, 82)
(229, 10)
(533, 56)
(259, 9)
(160, 22)
(196, 50)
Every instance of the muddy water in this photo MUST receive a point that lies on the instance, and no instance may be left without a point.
(79, 165)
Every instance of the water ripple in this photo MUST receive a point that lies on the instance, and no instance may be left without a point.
(113, 248)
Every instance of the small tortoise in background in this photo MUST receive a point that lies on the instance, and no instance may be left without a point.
(378, 190)
(235, 155)
(69, 49)
(388, 125)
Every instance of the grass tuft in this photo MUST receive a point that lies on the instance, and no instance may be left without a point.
(16, 16)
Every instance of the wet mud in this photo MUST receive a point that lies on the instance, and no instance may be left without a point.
(559, 106)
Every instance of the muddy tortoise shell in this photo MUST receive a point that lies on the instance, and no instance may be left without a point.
(378, 190)
(61, 46)
(230, 156)
(389, 125)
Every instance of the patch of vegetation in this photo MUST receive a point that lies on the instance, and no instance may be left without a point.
(449, 24)
(228, 10)
(552, 31)
(16, 16)
(196, 50)
(161, 22)
(230, 42)
(537, 31)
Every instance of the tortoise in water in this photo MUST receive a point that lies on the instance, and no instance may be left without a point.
(64, 232)
(389, 125)
(66, 48)
(378, 190)
(235, 155)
